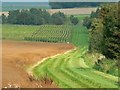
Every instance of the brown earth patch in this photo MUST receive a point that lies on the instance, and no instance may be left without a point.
(16, 56)
(73, 11)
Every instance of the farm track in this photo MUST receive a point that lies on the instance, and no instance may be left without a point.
(67, 73)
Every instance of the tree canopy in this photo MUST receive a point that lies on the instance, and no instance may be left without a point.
(34, 17)
(105, 31)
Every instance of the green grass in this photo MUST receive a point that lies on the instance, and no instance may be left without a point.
(71, 70)
(80, 17)
(36, 33)
(46, 33)
(51, 33)
(79, 36)
(67, 72)
(17, 32)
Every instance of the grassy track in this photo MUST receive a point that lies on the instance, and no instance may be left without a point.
(68, 73)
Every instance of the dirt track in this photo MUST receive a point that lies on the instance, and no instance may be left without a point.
(16, 56)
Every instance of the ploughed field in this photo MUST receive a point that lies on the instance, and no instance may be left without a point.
(18, 56)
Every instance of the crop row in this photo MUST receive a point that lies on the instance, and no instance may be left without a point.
(50, 34)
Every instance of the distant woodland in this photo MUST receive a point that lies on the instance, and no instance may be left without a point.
(58, 5)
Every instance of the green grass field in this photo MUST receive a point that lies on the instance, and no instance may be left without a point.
(80, 17)
(70, 71)
(17, 32)
(51, 33)
(46, 33)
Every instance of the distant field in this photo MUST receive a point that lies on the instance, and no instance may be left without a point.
(81, 17)
(73, 11)
(17, 32)
(45, 33)
(50, 33)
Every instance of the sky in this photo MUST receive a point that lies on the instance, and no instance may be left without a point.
(24, 0)
(58, 0)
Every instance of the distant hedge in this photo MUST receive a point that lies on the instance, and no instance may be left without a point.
(58, 5)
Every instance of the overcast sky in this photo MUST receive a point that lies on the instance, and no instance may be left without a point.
(24, 0)
(59, 0)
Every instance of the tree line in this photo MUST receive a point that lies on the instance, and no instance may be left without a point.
(104, 30)
(59, 5)
(36, 17)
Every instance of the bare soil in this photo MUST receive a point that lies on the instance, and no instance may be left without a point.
(73, 11)
(17, 56)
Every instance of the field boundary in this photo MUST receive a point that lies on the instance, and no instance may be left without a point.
(29, 70)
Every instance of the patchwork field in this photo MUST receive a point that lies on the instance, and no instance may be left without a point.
(54, 58)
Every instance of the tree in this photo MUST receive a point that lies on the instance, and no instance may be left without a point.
(74, 20)
(58, 18)
(87, 22)
(58, 5)
(23, 17)
(105, 32)
(96, 36)
(4, 18)
(111, 34)
(35, 17)
(46, 16)
(12, 18)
